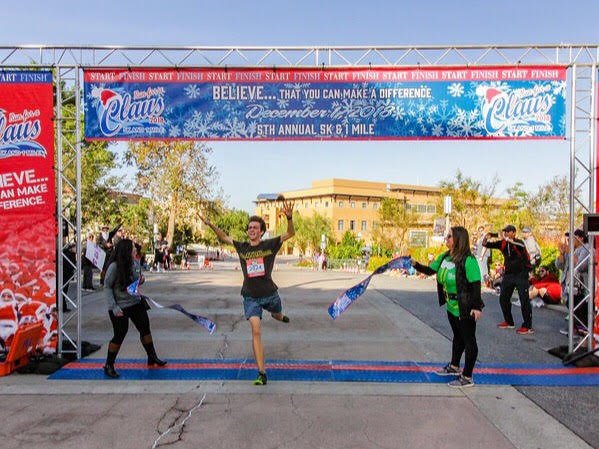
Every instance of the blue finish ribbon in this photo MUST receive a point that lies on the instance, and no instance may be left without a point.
(347, 298)
(133, 289)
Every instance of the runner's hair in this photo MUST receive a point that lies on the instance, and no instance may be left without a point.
(257, 219)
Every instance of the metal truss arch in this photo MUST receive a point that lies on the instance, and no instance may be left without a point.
(67, 62)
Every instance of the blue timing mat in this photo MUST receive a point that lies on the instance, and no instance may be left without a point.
(330, 371)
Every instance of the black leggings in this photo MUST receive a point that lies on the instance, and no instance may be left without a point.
(464, 339)
(120, 324)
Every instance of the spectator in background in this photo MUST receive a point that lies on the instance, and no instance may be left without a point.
(581, 264)
(69, 262)
(517, 267)
(158, 253)
(105, 244)
(88, 266)
(545, 286)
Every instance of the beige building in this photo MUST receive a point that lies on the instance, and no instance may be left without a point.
(352, 205)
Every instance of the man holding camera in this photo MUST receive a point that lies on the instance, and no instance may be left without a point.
(517, 266)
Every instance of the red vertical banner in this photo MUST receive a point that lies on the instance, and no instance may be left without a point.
(596, 118)
(27, 206)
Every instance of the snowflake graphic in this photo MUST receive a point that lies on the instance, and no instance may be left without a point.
(282, 103)
(437, 130)
(236, 128)
(562, 125)
(455, 89)
(174, 131)
(559, 88)
(297, 86)
(192, 91)
(464, 124)
(200, 125)
(308, 103)
(399, 113)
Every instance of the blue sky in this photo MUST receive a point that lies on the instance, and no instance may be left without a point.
(247, 168)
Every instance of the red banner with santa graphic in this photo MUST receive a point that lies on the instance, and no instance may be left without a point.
(27, 207)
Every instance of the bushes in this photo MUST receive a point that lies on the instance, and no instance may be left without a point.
(309, 263)
(548, 256)
(377, 261)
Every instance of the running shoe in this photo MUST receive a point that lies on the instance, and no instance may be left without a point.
(461, 382)
(525, 331)
(261, 379)
(505, 325)
(448, 370)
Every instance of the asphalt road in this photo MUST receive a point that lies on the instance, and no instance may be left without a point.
(397, 319)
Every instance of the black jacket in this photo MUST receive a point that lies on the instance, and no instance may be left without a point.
(468, 292)
(515, 256)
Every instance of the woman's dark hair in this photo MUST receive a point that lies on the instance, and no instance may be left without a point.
(124, 261)
(258, 219)
(461, 245)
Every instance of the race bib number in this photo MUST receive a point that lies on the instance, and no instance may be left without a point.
(255, 267)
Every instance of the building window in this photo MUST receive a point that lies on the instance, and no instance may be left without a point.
(408, 206)
(375, 206)
(352, 204)
(363, 227)
(364, 205)
(340, 225)
(417, 239)
(375, 225)
(340, 203)
(431, 209)
(316, 205)
(352, 225)
(326, 204)
(421, 208)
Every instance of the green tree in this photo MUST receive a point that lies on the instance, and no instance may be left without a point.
(233, 222)
(350, 247)
(551, 203)
(546, 208)
(395, 219)
(308, 231)
(470, 200)
(177, 176)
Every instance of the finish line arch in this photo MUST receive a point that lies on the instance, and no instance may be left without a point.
(68, 64)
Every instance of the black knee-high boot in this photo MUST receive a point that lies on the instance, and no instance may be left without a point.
(113, 350)
(148, 345)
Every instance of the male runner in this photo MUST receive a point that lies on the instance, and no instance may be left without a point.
(257, 258)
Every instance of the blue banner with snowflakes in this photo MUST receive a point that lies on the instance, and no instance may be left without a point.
(349, 296)
(318, 104)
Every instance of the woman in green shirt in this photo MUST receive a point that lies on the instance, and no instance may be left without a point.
(458, 286)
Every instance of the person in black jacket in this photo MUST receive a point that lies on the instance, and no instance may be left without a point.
(458, 286)
(517, 266)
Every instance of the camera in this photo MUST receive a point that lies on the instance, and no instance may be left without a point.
(494, 234)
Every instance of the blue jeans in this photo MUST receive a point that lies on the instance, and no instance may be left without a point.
(253, 306)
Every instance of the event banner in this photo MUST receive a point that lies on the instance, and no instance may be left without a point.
(320, 104)
(27, 206)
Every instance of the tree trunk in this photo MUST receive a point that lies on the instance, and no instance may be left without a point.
(172, 215)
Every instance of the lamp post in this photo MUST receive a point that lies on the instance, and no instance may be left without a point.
(447, 210)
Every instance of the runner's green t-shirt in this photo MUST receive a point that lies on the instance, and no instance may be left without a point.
(445, 269)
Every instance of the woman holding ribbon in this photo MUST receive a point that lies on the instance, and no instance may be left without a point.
(124, 305)
(458, 286)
